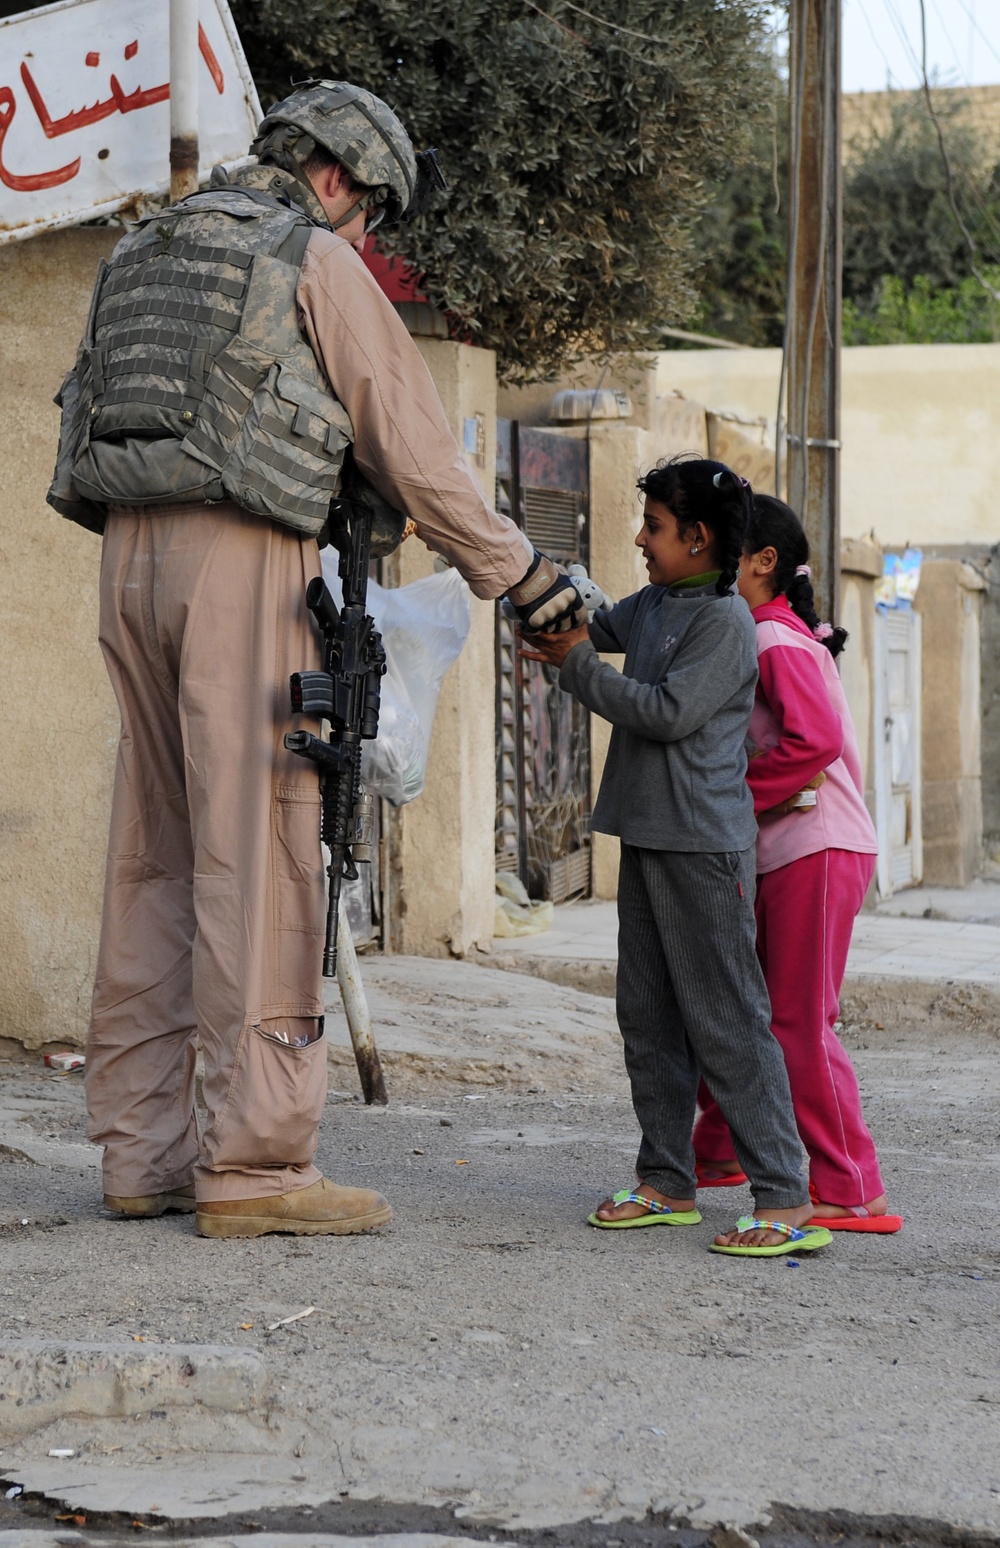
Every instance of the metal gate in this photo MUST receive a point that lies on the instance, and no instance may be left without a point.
(898, 782)
(543, 734)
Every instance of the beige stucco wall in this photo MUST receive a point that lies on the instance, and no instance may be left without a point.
(860, 567)
(59, 720)
(921, 458)
(949, 599)
(441, 886)
(59, 717)
(617, 454)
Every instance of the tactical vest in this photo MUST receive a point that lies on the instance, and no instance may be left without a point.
(193, 381)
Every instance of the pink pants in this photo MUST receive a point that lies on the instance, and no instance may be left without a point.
(805, 914)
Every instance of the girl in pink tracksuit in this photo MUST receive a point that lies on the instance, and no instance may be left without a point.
(814, 864)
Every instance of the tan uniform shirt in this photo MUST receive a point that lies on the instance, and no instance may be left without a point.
(402, 440)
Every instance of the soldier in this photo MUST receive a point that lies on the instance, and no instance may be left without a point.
(237, 350)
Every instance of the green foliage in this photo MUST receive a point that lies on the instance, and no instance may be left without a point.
(923, 313)
(897, 216)
(741, 236)
(578, 148)
(907, 274)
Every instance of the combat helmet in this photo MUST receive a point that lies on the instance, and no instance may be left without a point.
(354, 126)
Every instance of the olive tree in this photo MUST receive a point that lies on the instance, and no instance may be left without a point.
(578, 141)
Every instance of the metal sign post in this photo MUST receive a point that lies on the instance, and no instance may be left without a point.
(183, 98)
(87, 110)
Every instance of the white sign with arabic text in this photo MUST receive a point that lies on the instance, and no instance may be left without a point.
(85, 112)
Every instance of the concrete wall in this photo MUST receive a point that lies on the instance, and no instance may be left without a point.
(617, 455)
(949, 599)
(440, 894)
(60, 723)
(989, 567)
(59, 716)
(860, 568)
(921, 458)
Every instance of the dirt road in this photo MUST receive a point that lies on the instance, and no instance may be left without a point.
(489, 1354)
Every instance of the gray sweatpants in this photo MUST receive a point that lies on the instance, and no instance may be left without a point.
(691, 1001)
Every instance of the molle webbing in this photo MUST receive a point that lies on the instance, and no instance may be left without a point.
(195, 341)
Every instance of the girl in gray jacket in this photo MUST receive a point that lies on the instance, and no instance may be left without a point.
(690, 995)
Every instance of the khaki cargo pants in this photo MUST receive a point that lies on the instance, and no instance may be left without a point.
(213, 905)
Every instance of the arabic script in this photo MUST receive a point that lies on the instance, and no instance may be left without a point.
(119, 101)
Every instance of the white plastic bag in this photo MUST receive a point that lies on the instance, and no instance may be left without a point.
(515, 913)
(423, 627)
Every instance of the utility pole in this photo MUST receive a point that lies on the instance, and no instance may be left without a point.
(814, 288)
(183, 98)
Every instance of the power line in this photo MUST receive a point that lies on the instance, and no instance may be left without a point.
(976, 27)
(644, 37)
(969, 188)
(951, 44)
(901, 32)
(949, 178)
(885, 57)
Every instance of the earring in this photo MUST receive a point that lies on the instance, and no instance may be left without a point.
(695, 549)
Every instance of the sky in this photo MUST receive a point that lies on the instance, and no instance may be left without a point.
(881, 43)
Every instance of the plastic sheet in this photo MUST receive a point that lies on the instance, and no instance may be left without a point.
(516, 914)
(423, 626)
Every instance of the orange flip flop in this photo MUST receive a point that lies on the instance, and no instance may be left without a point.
(859, 1220)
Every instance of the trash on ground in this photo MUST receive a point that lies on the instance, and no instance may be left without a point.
(64, 1061)
(62, 1451)
(515, 913)
(13, 1492)
(283, 1321)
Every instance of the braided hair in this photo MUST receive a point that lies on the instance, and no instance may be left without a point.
(699, 489)
(773, 524)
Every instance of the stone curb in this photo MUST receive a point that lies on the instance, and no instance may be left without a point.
(47, 1379)
(583, 973)
(25, 1537)
(934, 1002)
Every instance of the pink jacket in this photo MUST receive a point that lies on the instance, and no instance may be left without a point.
(801, 726)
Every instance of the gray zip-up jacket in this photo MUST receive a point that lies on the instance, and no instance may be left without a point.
(675, 776)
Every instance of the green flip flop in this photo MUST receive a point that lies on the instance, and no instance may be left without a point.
(796, 1240)
(657, 1214)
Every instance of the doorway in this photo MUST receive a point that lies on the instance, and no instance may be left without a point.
(543, 734)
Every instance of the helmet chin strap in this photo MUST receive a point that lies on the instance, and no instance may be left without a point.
(345, 220)
(368, 198)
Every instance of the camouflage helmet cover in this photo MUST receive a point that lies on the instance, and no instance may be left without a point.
(351, 124)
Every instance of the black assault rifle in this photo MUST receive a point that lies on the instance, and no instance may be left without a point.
(346, 693)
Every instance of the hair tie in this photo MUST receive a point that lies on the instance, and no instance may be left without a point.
(717, 478)
(822, 631)
(803, 569)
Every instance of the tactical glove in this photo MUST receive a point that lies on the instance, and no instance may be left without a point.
(546, 600)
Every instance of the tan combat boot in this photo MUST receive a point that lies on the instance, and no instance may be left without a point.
(146, 1205)
(324, 1209)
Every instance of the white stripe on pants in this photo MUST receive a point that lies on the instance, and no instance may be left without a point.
(691, 999)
